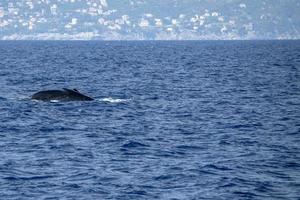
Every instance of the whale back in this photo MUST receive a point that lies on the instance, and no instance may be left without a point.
(61, 95)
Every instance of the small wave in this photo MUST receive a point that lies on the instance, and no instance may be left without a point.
(112, 100)
(133, 144)
(18, 98)
(13, 178)
(23, 98)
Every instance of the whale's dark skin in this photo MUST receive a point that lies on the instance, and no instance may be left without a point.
(61, 95)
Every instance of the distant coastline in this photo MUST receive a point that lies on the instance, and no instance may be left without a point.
(87, 36)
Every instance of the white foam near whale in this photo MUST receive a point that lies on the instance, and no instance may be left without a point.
(112, 100)
(54, 101)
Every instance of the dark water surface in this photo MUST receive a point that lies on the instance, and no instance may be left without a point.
(171, 120)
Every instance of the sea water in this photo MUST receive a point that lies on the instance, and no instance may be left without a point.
(170, 120)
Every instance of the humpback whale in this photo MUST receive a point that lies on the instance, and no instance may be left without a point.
(61, 95)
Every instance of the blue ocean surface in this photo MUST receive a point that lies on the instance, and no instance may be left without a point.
(170, 120)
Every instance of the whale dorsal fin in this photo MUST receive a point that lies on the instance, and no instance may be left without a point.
(78, 94)
(72, 91)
